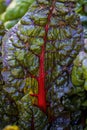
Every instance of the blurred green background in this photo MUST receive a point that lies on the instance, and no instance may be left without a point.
(12, 10)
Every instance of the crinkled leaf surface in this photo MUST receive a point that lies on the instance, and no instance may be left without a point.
(38, 55)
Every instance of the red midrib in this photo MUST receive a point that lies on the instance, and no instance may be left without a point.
(41, 82)
(42, 104)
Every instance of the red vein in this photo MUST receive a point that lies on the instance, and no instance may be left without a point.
(42, 104)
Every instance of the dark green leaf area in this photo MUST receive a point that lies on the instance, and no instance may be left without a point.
(61, 33)
(18, 86)
(40, 18)
(36, 44)
(77, 127)
(31, 117)
(17, 72)
(20, 58)
(31, 30)
(15, 85)
(76, 120)
(73, 103)
(57, 75)
(26, 20)
(62, 122)
(31, 62)
(57, 90)
(15, 93)
(17, 43)
(8, 110)
(61, 8)
(61, 52)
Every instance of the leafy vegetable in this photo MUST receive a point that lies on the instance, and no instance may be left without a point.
(38, 54)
